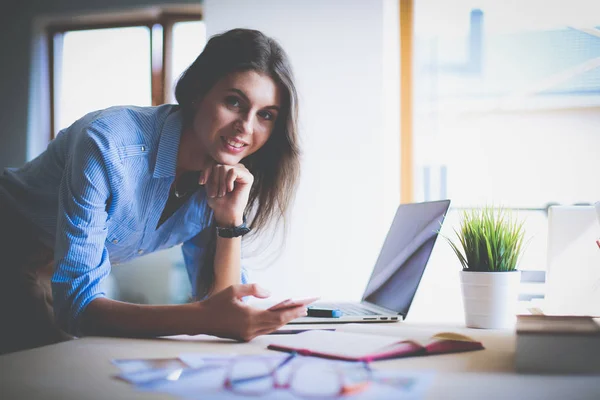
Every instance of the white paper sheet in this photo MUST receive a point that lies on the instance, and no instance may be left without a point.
(349, 344)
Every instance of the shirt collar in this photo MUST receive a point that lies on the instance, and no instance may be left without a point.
(168, 146)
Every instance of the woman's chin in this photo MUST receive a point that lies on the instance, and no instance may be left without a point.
(227, 159)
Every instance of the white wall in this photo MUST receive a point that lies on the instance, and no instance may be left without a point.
(349, 122)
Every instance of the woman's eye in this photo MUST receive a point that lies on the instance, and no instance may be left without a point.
(233, 101)
(266, 115)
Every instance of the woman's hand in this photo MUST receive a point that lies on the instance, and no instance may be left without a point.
(228, 189)
(226, 315)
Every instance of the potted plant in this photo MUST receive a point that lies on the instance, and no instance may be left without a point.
(490, 243)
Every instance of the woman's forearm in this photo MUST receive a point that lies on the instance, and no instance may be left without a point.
(114, 318)
(227, 263)
(108, 317)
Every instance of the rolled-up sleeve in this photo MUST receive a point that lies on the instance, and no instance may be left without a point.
(80, 254)
(194, 251)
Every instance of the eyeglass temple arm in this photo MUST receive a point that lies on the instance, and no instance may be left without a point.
(253, 378)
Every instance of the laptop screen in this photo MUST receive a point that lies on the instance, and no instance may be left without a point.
(404, 255)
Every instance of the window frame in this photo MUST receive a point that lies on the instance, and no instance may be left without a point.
(407, 184)
(160, 27)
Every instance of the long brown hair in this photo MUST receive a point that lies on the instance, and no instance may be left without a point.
(275, 166)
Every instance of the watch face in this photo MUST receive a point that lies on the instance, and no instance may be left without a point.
(225, 233)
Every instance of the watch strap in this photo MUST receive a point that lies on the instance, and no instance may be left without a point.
(233, 232)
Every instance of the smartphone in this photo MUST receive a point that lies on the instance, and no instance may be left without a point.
(291, 303)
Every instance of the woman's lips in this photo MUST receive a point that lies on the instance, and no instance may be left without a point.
(232, 149)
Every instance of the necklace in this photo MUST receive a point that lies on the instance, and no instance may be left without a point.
(178, 193)
(188, 182)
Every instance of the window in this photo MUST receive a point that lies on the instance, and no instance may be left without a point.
(94, 66)
(188, 41)
(506, 109)
(98, 68)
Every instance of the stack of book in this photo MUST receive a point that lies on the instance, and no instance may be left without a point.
(558, 344)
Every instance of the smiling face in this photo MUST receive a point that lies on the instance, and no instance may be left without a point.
(235, 118)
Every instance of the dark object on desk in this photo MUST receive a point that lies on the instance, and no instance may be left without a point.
(557, 344)
(323, 312)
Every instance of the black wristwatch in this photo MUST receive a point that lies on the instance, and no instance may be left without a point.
(236, 231)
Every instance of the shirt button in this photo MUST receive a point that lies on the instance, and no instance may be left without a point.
(143, 148)
(140, 251)
(115, 241)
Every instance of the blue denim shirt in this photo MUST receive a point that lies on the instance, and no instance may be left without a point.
(97, 193)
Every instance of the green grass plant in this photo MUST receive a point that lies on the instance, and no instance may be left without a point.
(489, 240)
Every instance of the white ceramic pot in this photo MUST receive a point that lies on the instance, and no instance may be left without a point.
(490, 298)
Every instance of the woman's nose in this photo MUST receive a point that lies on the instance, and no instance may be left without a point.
(245, 125)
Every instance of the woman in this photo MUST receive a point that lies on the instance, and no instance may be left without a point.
(127, 181)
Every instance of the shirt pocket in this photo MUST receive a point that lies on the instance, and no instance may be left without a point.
(121, 240)
(135, 150)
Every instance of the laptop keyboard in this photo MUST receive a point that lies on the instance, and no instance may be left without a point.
(347, 308)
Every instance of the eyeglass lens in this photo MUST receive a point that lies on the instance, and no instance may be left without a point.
(251, 377)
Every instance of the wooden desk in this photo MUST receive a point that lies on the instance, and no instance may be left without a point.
(81, 369)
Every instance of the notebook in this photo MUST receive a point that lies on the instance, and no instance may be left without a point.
(354, 346)
(398, 270)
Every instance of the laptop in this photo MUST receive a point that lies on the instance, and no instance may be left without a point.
(398, 269)
(573, 267)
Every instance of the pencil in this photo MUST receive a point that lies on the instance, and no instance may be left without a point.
(294, 331)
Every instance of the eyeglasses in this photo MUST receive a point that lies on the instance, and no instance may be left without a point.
(305, 378)
(256, 375)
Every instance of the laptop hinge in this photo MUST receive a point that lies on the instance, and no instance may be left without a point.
(382, 309)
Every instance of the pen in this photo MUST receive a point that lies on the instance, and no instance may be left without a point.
(294, 331)
(323, 312)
